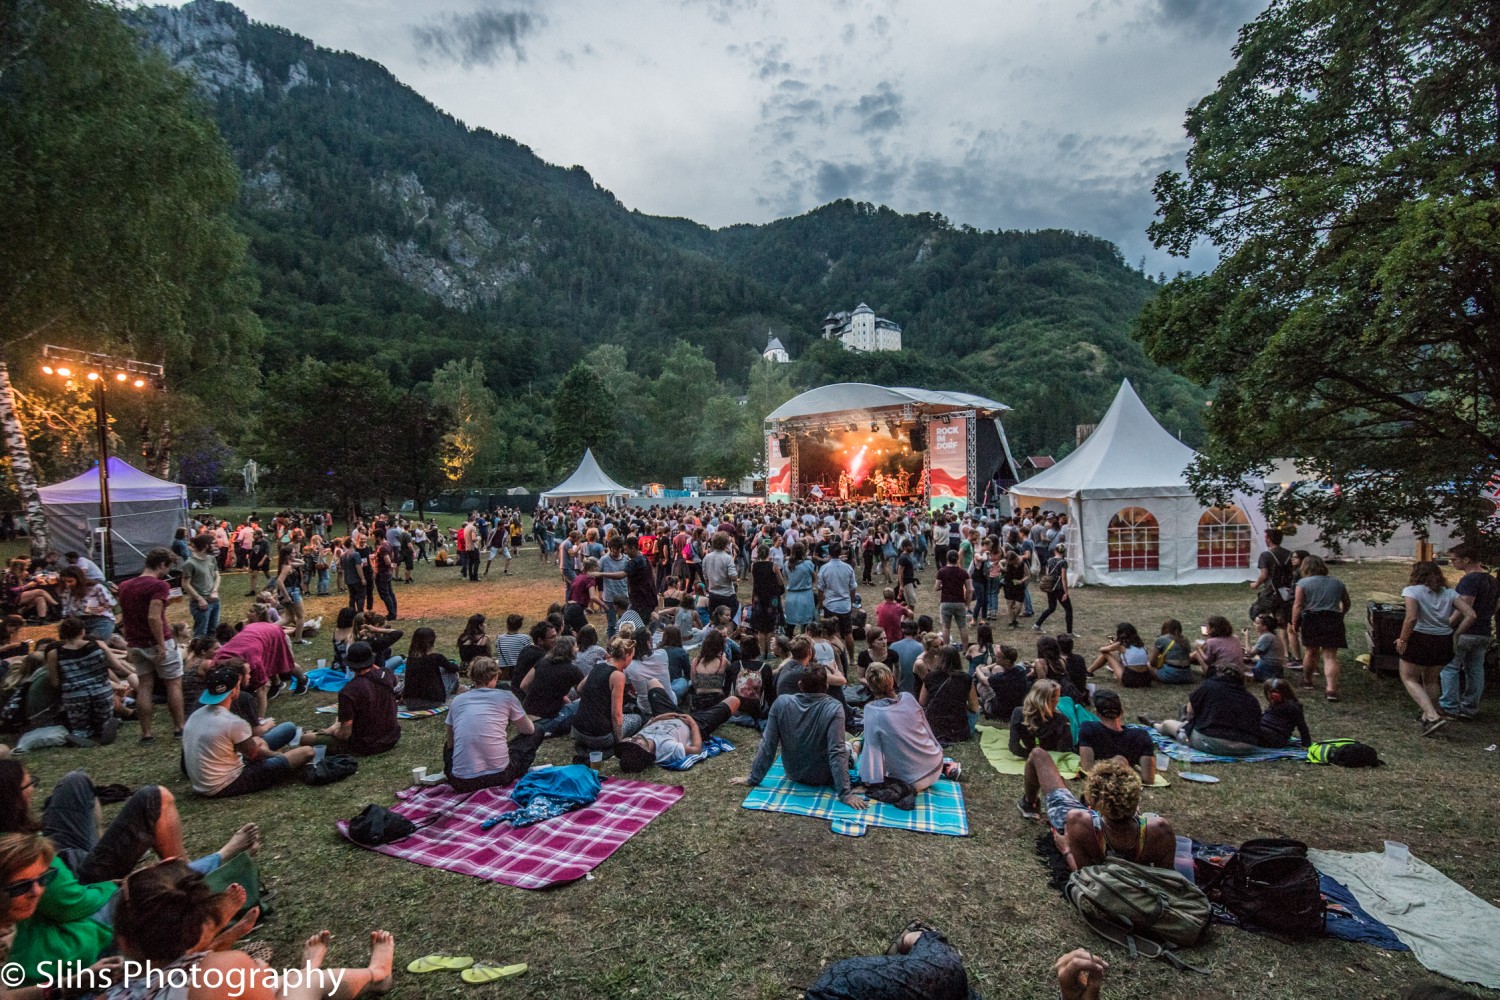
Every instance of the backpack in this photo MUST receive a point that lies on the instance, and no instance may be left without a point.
(333, 768)
(1270, 884)
(376, 825)
(1151, 911)
(1344, 753)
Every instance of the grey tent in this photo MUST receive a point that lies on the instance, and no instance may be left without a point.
(145, 512)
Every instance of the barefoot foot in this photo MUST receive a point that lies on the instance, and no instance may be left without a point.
(382, 954)
(246, 838)
(315, 949)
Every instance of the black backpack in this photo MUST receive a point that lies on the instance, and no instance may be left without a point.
(334, 767)
(376, 825)
(1270, 884)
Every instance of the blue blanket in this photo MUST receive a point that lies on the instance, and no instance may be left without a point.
(1188, 755)
(712, 747)
(326, 679)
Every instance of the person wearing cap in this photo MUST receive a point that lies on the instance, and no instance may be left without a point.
(220, 753)
(367, 707)
(1110, 737)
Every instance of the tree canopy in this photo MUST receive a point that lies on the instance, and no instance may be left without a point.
(1348, 171)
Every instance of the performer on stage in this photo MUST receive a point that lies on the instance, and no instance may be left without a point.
(903, 482)
(843, 486)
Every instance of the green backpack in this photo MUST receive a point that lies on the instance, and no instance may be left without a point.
(1344, 753)
(1150, 911)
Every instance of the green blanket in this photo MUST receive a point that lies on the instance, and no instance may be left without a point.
(996, 746)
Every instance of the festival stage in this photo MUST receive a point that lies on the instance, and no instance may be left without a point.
(911, 447)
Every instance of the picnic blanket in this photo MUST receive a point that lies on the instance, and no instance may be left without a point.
(425, 713)
(940, 809)
(712, 747)
(1188, 755)
(996, 746)
(1449, 929)
(563, 849)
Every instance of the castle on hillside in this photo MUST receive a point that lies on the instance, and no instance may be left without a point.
(862, 330)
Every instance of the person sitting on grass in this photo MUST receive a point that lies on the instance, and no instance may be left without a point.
(1283, 717)
(1171, 655)
(670, 736)
(1126, 658)
(80, 668)
(1037, 723)
(808, 729)
(431, 678)
(1220, 647)
(168, 920)
(548, 690)
(1110, 737)
(476, 753)
(1002, 686)
(1267, 657)
(601, 720)
(897, 742)
(948, 698)
(1221, 717)
(367, 722)
(1109, 826)
(221, 754)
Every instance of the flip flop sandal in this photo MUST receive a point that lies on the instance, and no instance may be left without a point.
(439, 963)
(488, 972)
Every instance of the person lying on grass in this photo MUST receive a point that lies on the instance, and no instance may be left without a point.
(1110, 826)
(808, 729)
(671, 736)
(167, 918)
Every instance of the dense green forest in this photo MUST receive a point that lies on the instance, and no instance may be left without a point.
(384, 233)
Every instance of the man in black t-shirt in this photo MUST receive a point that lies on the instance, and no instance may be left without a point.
(1109, 737)
(1273, 586)
(367, 707)
(546, 688)
(955, 591)
(352, 563)
(1466, 671)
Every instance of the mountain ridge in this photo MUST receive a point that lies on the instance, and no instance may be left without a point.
(351, 178)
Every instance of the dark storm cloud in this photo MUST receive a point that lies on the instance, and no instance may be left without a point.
(1206, 18)
(879, 111)
(480, 38)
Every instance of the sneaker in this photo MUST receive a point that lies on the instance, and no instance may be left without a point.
(1428, 728)
(110, 731)
(1027, 809)
(304, 642)
(147, 739)
(1036, 628)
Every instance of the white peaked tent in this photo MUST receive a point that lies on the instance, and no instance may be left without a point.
(144, 513)
(1134, 520)
(588, 482)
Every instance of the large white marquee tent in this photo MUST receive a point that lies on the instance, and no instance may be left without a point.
(587, 483)
(1134, 518)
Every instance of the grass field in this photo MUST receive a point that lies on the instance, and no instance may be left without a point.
(714, 901)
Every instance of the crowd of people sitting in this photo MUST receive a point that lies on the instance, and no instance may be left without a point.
(648, 653)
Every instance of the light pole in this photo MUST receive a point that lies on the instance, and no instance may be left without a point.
(97, 369)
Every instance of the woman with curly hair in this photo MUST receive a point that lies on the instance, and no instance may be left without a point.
(1109, 826)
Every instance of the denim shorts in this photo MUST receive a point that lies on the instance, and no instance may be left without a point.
(293, 595)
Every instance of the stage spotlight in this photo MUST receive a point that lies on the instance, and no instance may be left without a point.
(947, 419)
(120, 376)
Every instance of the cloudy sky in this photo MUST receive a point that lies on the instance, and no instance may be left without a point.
(997, 113)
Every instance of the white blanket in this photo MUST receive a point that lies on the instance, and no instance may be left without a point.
(1450, 930)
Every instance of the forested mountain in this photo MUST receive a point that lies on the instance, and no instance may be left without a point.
(386, 232)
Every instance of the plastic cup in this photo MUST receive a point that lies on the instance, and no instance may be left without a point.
(322, 663)
(596, 760)
(1163, 762)
(418, 775)
(1397, 858)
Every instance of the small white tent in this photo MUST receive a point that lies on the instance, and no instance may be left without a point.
(588, 482)
(1134, 519)
(144, 513)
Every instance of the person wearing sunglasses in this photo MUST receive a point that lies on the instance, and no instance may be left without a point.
(27, 868)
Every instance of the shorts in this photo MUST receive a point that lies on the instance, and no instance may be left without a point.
(1058, 803)
(844, 618)
(1323, 630)
(952, 613)
(293, 595)
(1133, 678)
(257, 776)
(143, 659)
(1428, 650)
(1174, 675)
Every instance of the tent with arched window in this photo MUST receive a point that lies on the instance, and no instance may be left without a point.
(1134, 519)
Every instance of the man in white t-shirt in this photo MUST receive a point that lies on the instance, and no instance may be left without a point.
(222, 756)
(475, 753)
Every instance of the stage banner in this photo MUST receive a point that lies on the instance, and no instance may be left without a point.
(779, 473)
(950, 465)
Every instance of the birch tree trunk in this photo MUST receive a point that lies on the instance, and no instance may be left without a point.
(20, 466)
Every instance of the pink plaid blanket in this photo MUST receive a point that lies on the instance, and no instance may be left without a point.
(557, 850)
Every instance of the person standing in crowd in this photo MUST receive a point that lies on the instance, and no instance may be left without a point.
(1273, 584)
(352, 566)
(612, 572)
(720, 575)
(1434, 613)
(151, 650)
(954, 589)
(385, 571)
(1056, 573)
(1462, 680)
(838, 583)
(89, 602)
(1318, 611)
